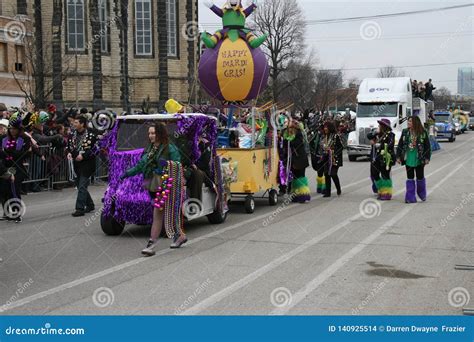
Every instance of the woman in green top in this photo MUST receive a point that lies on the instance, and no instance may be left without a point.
(151, 164)
(414, 151)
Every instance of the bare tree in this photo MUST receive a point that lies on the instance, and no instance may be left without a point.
(328, 83)
(443, 98)
(298, 83)
(282, 22)
(390, 71)
(37, 79)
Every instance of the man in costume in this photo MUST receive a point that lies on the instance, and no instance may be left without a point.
(80, 150)
(233, 19)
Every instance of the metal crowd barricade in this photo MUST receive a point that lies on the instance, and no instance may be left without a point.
(37, 168)
(55, 169)
(101, 167)
(60, 173)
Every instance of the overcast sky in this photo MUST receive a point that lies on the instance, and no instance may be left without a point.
(428, 38)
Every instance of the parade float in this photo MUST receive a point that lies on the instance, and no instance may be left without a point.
(233, 70)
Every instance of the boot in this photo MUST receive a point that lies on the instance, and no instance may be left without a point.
(337, 183)
(327, 191)
(421, 189)
(321, 185)
(385, 189)
(410, 196)
(374, 185)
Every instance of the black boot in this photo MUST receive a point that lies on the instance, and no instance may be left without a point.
(327, 192)
(338, 184)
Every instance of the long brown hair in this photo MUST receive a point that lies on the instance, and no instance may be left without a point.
(417, 126)
(161, 133)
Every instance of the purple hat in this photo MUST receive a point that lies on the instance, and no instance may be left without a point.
(385, 122)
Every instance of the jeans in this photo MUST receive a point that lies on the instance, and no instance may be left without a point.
(84, 199)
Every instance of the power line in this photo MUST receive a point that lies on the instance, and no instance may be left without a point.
(377, 16)
(358, 39)
(399, 66)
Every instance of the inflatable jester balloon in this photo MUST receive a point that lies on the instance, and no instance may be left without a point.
(233, 20)
(233, 68)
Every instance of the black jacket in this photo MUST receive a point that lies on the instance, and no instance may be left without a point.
(83, 143)
(376, 155)
(299, 158)
(14, 157)
(336, 148)
(423, 146)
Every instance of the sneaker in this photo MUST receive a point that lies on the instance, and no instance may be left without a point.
(148, 251)
(17, 219)
(179, 242)
(78, 213)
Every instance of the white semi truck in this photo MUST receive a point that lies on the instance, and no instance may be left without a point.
(378, 98)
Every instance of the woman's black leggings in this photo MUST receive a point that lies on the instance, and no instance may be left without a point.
(419, 170)
(335, 178)
(377, 171)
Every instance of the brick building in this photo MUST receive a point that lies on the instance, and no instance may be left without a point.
(14, 26)
(113, 53)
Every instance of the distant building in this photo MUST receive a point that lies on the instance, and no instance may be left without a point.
(14, 26)
(108, 53)
(466, 81)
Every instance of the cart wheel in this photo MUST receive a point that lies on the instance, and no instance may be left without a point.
(273, 197)
(249, 204)
(110, 226)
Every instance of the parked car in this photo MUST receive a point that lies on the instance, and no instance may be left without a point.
(445, 126)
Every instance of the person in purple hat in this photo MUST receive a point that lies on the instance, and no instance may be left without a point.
(382, 159)
(414, 151)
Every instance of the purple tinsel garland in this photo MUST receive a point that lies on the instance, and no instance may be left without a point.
(131, 201)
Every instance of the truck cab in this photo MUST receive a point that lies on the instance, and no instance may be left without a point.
(378, 98)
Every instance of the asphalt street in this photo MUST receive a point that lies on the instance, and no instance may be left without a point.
(344, 255)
